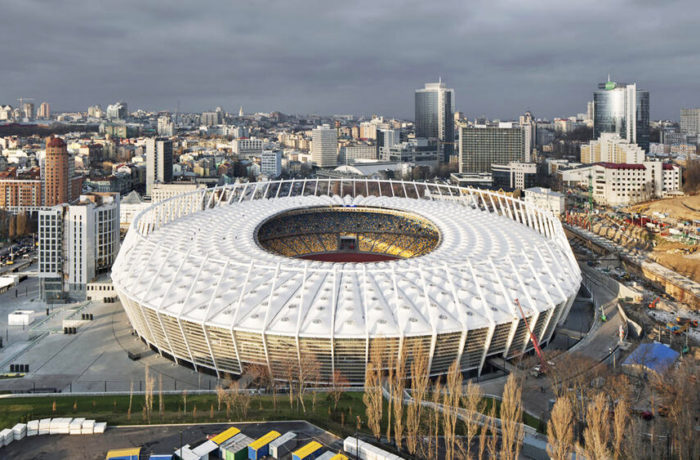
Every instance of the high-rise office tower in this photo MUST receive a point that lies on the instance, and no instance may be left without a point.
(529, 126)
(324, 150)
(481, 146)
(57, 174)
(435, 106)
(590, 110)
(690, 121)
(622, 109)
(28, 110)
(166, 127)
(118, 111)
(159, 162)
(386, 139)
(76, 243)
(44, 111)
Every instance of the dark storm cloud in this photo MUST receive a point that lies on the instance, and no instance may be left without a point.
(501, 57)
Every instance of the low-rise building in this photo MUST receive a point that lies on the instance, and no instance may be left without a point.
(514, 175)
(247, 147)
(164, 191)
(545, 198)
(616, 184)
(475, 180)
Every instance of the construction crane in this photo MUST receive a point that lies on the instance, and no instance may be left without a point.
(535, 342)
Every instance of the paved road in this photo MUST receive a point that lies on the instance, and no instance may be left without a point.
(596, 345)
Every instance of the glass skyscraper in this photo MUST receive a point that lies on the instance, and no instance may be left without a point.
(435, 117)
(622, 109)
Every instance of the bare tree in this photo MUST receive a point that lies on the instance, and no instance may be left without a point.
(290, 371)
(620, 428)
(263, 378)
(148, 393)
(161, 406)
(450, 405)
(597, 431)
(511, 418)
(390, 374)
(398, 395)
(338, 385)
(560, 430)
(309, 372)
(678, 390)
(492, 441)
(131, 397)
(372, 398)
(472, 401)
(419, 386)
(434, 420)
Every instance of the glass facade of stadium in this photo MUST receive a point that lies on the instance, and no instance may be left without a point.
(206, 345)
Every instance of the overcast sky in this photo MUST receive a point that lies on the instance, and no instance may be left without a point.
(502, 57)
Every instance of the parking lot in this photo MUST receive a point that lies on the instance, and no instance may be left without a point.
(155, 439)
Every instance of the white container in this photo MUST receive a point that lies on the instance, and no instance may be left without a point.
(6, 436)
(60, 426)
(44, 425)
(76, 425)
(100, 427)
(88, 427)
(19, 431)
(19, 318)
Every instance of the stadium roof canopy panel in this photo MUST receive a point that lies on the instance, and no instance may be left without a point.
(222, 268)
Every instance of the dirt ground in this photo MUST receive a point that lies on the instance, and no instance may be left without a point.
(679, 208)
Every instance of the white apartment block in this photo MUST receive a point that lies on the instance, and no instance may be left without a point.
(690, 121)
(611, 148)
(545, 198)
(162, 192)
(625, 184)
(324, 148)
(247, 147)
(350, 153)
(271, 163)
(77, 243)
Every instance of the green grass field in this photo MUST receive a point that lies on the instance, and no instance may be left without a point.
(197, 409)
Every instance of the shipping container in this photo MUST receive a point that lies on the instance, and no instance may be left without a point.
(131, 453)
(366, 451)
(225, 435)
(308, 451)
(331, 456)
(236, 448)
(203, 450)
(161, 457)
(261, 446)
(185, 453)
(283, 445)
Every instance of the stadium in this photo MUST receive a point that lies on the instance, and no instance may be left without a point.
(283, 273)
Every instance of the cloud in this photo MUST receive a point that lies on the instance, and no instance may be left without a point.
(502, 57)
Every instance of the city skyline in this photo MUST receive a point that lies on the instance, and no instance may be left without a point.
(261, 58)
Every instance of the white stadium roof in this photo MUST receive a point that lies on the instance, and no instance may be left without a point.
(206, 267)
